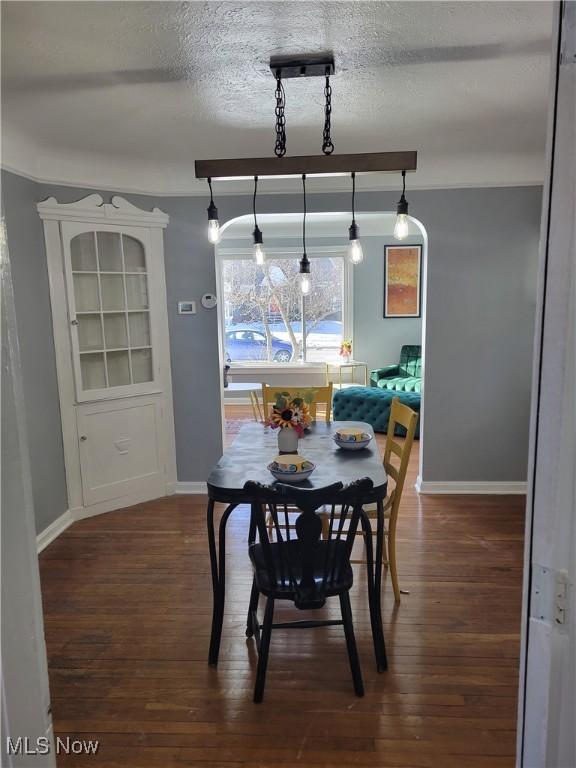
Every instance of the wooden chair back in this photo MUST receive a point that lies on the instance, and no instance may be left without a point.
(407, 418)
(303, 562)
(316, 395)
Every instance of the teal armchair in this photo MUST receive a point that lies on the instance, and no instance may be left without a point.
(404, 377)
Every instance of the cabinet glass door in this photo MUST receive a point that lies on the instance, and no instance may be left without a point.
(110, 291)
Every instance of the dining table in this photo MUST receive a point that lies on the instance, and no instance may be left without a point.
(255, 446)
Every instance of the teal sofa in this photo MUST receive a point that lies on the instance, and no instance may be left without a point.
(373, 406)
(404, 377)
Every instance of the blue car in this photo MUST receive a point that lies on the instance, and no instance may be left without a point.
(248, 344)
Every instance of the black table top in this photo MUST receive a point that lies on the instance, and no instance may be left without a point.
(256, 446)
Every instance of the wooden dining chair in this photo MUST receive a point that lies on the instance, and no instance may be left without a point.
(396, 459)
(255, 405)
(302, 567)
(313, 396)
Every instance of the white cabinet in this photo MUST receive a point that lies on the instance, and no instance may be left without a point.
(106, 268)
(119, 449)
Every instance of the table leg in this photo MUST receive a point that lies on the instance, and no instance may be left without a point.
(218, 569)
(379, 563)
(213, 658)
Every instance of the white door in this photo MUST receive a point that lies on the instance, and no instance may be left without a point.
(24, 686)
(112, 348)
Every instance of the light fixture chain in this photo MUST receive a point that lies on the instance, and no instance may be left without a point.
(304, 214)
(280, 146)
(327, 143)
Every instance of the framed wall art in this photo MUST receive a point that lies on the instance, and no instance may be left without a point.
(402, 280)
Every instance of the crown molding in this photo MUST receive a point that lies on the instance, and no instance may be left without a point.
(93, 208)
(337, 185)
(41, 165)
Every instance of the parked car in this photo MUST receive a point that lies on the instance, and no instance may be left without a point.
(248, 344)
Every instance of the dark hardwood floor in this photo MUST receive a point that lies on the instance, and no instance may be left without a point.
(127, 607)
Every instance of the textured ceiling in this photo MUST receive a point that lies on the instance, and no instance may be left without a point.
(129, 94)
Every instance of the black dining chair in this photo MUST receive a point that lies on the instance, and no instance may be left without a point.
(296, 563)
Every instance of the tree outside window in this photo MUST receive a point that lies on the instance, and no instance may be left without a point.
(263, 310)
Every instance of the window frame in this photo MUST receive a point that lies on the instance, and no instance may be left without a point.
(313, 252)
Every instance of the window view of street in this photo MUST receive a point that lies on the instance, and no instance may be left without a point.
(263, 310)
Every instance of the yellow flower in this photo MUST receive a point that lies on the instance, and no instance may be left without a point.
(282, 418)
(296, 415)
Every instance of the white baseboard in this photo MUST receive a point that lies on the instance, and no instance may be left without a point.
(487, 488)
(192, 487)
(48, 535)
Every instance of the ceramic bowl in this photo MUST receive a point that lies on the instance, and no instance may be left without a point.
(295, 473)
(289, 462)
(352, 441)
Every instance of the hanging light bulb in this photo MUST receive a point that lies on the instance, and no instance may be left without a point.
(355, 252)
(213, 231)
(401, 228)
(304, 273)
(305, 284)
(258, 250)
(213, 223)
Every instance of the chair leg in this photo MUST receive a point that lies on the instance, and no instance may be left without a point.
(252, 608)
(392, 561)
(325, 518)
(263, 653)
(385, 555)
(351, 643)
(377, 634)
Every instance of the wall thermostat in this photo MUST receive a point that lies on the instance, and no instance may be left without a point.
(209, 300)
(186, 307)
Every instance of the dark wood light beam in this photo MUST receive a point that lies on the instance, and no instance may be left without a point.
(372, 162)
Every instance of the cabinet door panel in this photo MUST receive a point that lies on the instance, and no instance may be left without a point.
(115, 307)
(119, 449)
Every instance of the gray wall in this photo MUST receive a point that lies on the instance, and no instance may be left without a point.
(32, 299)
(481, 300)
(378, 340)
(481, 275)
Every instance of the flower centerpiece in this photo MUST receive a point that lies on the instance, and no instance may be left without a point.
(346, 350)
(291, 415)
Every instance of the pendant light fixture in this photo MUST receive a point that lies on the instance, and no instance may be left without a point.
(401, 227)
(213, 223)
(258, 250)
(355, 253)
(304, 273)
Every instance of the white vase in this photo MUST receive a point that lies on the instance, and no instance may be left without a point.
(287, 440)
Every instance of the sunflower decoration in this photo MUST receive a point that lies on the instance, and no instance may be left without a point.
(291, 412)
